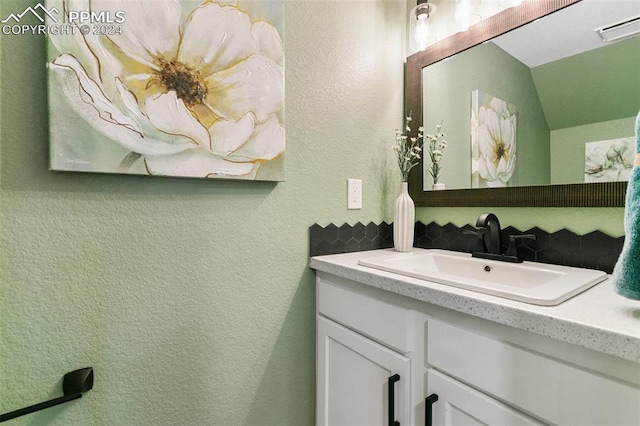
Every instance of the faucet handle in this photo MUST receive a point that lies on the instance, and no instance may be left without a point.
(479, 233)
(511, 250)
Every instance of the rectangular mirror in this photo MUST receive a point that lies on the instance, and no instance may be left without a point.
(532, 99)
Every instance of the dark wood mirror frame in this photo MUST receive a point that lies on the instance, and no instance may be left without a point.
(606, 194)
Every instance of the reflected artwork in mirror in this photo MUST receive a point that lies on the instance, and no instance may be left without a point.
(531, 78)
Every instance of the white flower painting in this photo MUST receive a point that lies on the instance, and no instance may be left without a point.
(168, 87)
(493, 141)
(609, 160)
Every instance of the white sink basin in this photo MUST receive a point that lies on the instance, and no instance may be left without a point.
(536, 283)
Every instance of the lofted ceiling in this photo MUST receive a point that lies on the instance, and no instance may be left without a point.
(581, 79)
(552, 38)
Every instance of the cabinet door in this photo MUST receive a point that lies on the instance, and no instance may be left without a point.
(353, 375)
(460, 405)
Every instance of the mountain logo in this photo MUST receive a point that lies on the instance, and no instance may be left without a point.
(17, 17)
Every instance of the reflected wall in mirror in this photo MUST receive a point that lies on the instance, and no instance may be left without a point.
(566, 86)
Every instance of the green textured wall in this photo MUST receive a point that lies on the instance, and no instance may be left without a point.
(599, 85)
(191, 299)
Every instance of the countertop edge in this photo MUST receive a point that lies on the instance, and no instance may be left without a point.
(511, 313)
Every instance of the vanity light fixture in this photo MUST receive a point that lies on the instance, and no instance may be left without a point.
(619, 30)
(420, 27)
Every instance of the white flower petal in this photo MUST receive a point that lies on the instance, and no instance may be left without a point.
(492, 123)
(485, 141)
(499, 106)
(268, 41)
(255, 85)
(129, 102)
(169, 115)
(266, 143)
(195, 163)
(486, 169)
(215, 38)
(79, 87)
(508, 131)
(227, 135)
(510, 168)
(154, 142)
(151, 28)
(505, 132)
(72, 44)
(502, 167)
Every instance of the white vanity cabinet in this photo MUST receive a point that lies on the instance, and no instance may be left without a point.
(483, 373)
(363, 373)
(360, 381)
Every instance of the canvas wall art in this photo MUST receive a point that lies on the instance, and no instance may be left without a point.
(609, 160)
(186, 88)
(493, 141)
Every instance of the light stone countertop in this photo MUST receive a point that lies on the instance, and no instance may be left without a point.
(597, 319)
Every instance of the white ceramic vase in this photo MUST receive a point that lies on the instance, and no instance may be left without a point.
(437, 187)
(403, 221)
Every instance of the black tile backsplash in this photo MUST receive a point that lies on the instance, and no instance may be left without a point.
(595, 250)
(349, 238)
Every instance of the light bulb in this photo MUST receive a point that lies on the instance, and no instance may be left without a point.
(421, 29)
(421, 34)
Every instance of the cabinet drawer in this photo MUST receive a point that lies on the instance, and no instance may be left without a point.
(384, 322)
(458, 404)
(549, 388)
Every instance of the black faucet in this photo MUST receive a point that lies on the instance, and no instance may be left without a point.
(491, 224)
(489, 240)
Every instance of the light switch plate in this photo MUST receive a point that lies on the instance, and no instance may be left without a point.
(354, 194)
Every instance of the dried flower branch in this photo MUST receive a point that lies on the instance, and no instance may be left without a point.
(437, 144)
(407, 148)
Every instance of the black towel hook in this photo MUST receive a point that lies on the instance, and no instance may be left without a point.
(74, 384)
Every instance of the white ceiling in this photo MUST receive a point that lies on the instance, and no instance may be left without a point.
(551, 38)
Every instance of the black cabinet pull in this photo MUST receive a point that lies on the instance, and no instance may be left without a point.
(392, 400)
(428, 405)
